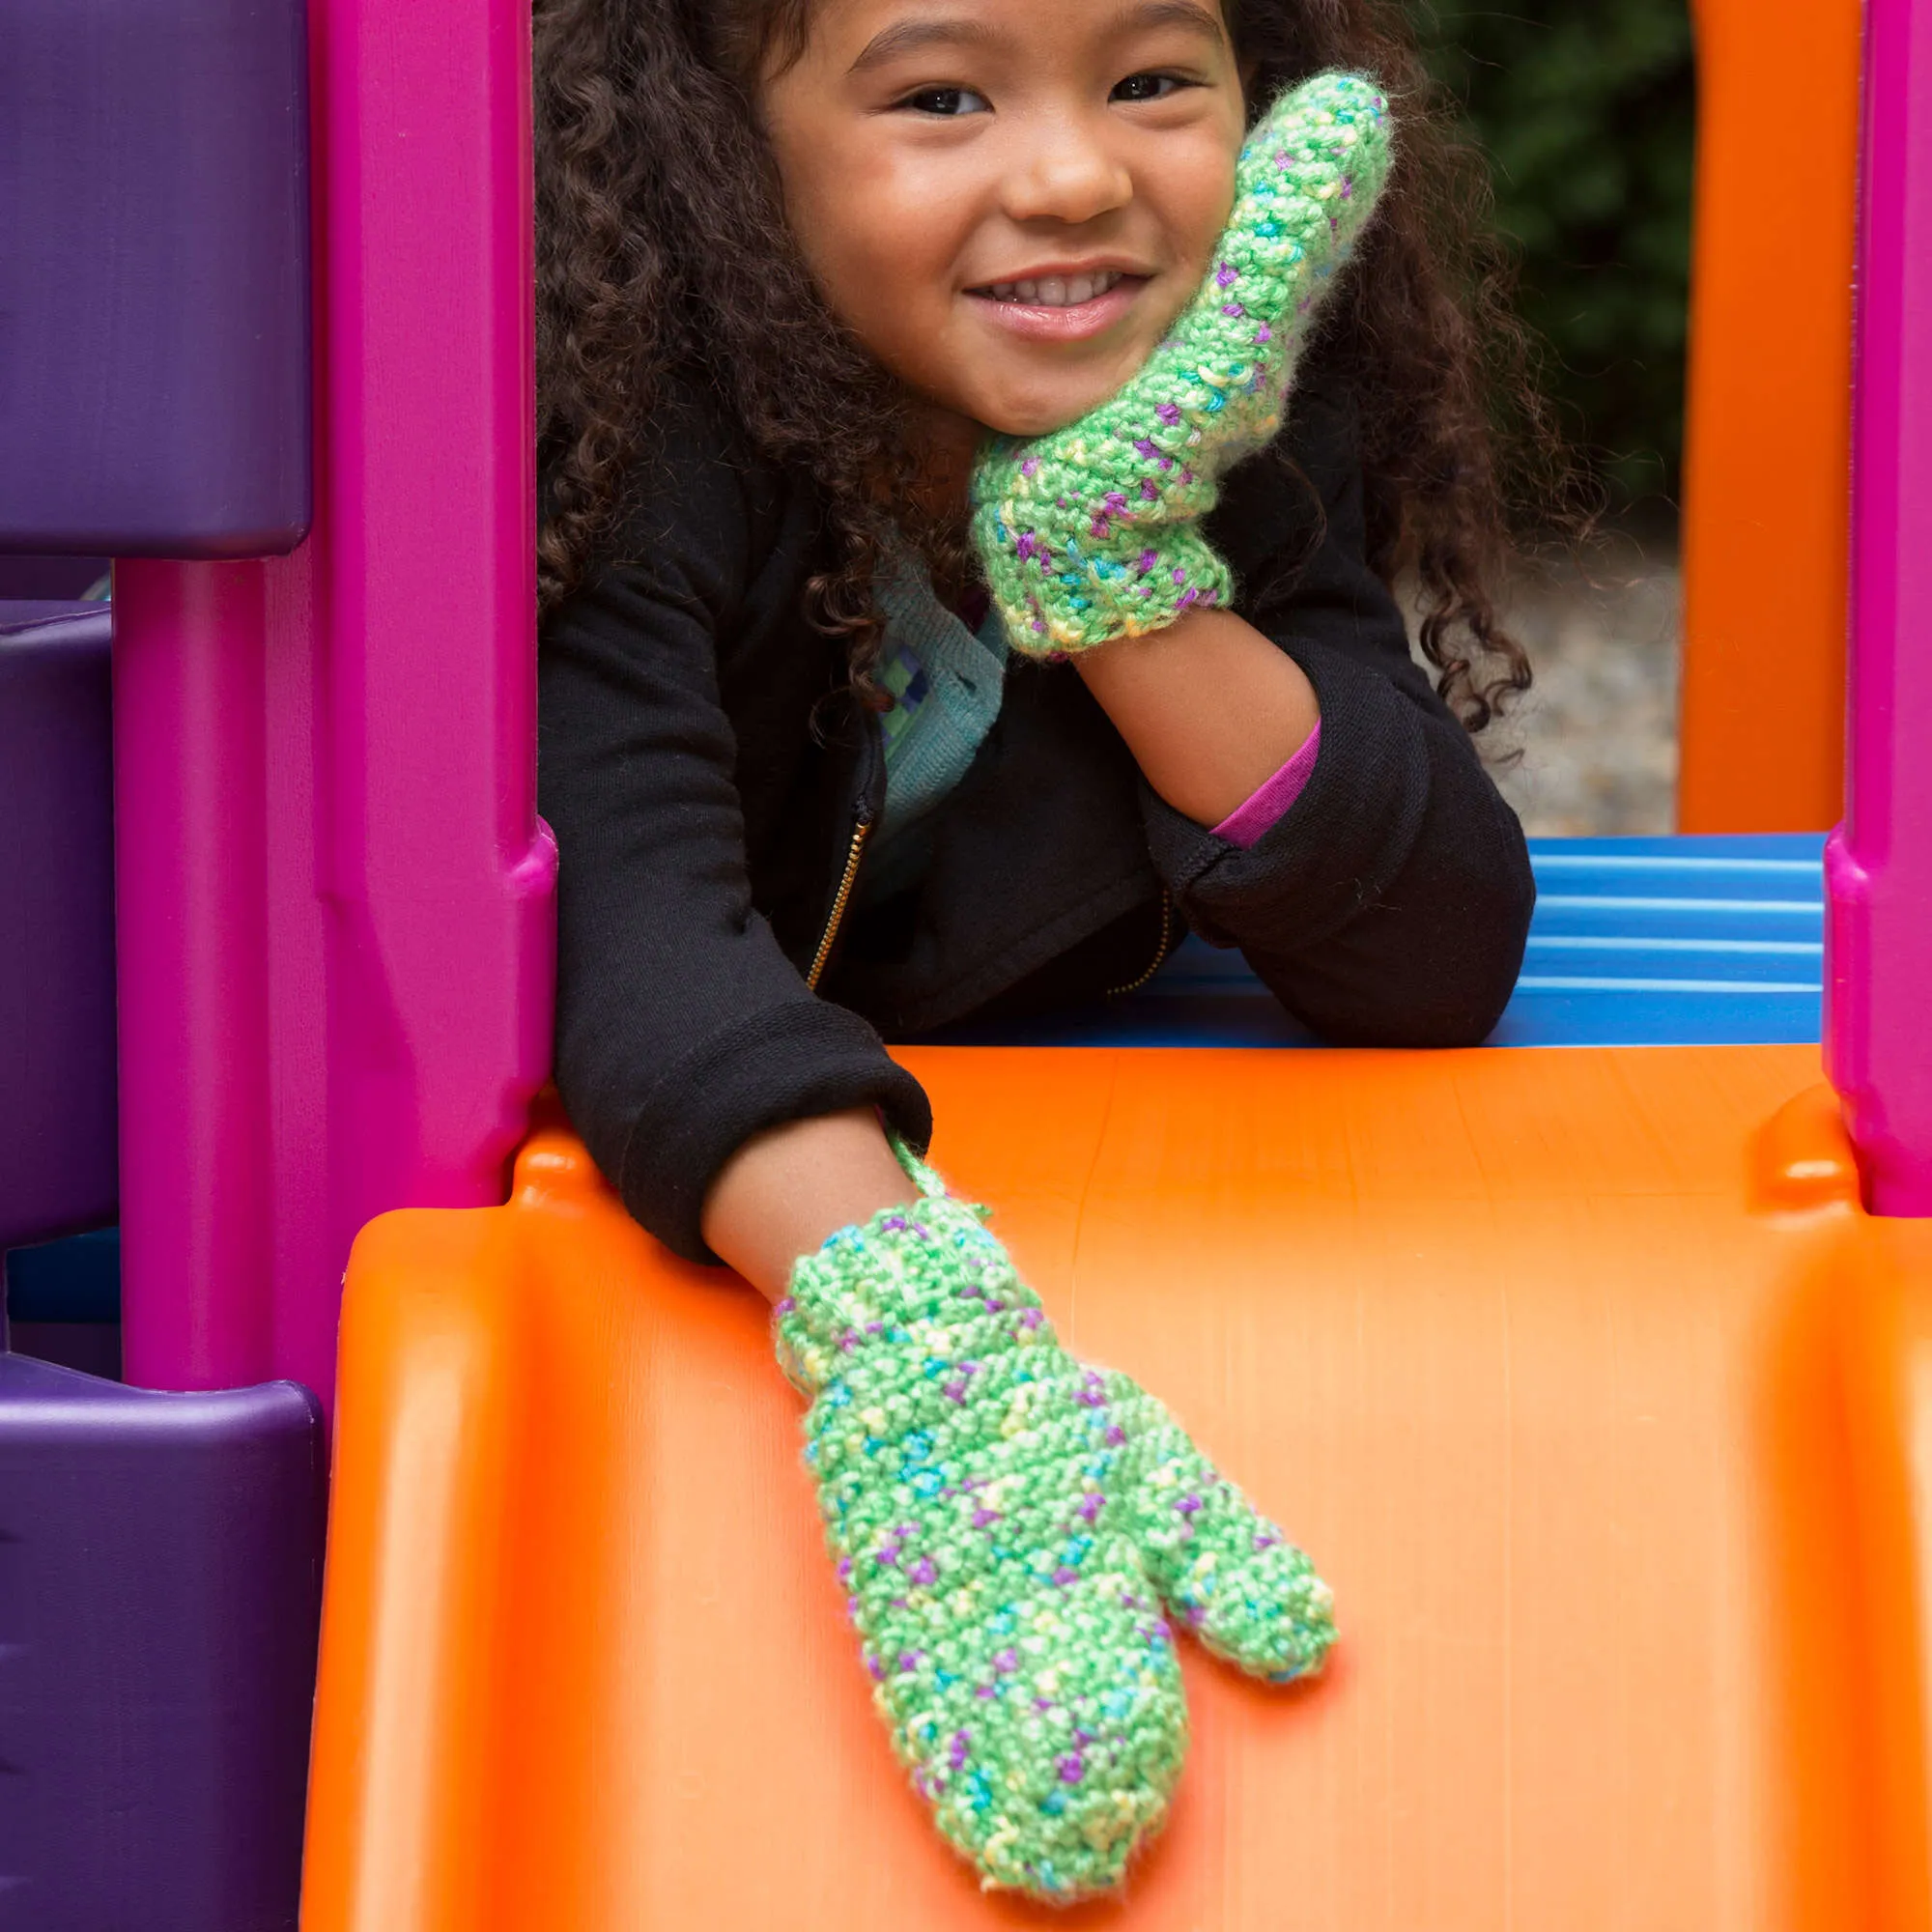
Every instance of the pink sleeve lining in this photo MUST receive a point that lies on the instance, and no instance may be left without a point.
(1261, 808)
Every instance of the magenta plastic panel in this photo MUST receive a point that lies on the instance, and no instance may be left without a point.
(1878, 1031)
(336, 900)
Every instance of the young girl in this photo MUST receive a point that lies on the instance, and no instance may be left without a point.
(927, 634)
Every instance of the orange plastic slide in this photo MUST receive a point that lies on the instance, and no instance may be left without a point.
(1583, 1374)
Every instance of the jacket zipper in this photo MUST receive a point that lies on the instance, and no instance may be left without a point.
(1159, 954)
(862, 830)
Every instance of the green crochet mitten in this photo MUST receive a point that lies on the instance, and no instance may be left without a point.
(1007, 1524)
(1092, 532)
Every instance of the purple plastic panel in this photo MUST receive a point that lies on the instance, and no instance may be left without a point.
(57, 915)
(43, 579)
(92, 1347)
(19, 614)
(336, 901)
(160, 1562)
(154, 278)
(1878, 1037)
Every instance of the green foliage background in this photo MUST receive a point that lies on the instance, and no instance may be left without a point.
(1586, 109)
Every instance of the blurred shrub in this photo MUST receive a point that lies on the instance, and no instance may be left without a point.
(1586, 110)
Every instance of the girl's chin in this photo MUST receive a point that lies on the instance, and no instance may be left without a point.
(1042, 416)
(1037, 400)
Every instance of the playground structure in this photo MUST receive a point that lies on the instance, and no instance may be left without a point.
(1766, 573)
(1591, 1370)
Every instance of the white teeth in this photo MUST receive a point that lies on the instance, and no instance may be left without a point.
(1055, 291)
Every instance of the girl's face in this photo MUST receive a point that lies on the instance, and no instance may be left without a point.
(1009, 200)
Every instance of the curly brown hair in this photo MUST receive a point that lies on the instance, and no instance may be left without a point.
(661, 249)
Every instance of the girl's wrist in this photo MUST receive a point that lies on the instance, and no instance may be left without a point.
(789, 1187)
(1209, 707)
(1152, 651)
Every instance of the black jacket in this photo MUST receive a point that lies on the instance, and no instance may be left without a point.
(705, 781)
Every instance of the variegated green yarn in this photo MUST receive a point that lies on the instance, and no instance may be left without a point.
(1008, 1525)
(1092, 532)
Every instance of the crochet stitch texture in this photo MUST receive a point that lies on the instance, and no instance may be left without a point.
(1090, 532)
(1007, 1524)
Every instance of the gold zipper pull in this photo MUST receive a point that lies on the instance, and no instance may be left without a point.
(862, 830)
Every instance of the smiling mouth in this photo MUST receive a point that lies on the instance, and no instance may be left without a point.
(1055, 291)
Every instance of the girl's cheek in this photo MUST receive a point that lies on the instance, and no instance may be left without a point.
(876, 233)
(1200, 198)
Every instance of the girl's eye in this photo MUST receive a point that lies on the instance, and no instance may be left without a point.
(946, 101)
(1150, 87)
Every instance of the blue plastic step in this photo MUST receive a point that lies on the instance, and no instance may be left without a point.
(1652, 942)
(1636, 942)
(64, 1302)
(75, 1280)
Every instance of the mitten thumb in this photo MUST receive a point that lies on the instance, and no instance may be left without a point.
(1224, 1571)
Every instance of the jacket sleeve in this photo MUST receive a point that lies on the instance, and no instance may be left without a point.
(1389, 905)
(682, 1028)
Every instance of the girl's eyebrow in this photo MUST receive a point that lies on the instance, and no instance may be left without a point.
(1170, 13)
(906, 37)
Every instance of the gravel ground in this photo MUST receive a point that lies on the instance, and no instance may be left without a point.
(1598, 732)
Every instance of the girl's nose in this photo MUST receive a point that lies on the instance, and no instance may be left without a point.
(1067, 175)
